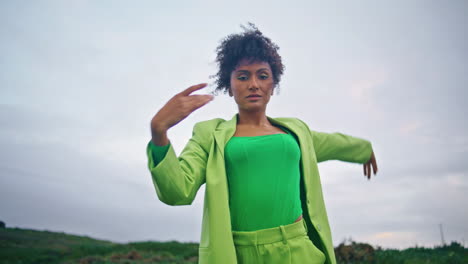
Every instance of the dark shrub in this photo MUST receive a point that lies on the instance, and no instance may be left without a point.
(355, 253)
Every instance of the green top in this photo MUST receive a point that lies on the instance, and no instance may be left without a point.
(263, 176)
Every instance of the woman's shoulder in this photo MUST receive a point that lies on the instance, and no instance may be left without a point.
(289, 119)
(208, 125)
(293, 121)
(201, 133)
(202, 130)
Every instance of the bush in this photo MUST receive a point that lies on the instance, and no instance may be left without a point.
(355, 253)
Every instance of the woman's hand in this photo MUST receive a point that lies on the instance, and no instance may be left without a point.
(367, 166)
(175, 110)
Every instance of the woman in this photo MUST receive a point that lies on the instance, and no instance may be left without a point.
(263, 198)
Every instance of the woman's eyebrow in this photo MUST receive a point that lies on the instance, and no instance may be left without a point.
(263, 69)
(242, 71)
(246, 71)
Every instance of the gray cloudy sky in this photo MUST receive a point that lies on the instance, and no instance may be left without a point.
(81, 80)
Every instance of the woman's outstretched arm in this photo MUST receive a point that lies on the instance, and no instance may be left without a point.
(338, 146)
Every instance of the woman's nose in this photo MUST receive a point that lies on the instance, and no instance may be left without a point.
(253, 85)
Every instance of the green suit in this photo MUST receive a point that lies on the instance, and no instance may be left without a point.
(177, 180)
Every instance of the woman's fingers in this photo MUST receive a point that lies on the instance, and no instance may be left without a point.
(179, 107)
(192, 89)
(368, 171)
(200, 100)
(370, 166)
(374, 163)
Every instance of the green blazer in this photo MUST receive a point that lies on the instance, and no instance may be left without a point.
(177, 180)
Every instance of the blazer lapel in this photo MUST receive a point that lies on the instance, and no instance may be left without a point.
(224, 132)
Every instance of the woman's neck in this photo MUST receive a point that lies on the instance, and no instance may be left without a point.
(253, 118)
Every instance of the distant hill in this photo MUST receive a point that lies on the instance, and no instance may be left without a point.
(45, 247)
(24, 246)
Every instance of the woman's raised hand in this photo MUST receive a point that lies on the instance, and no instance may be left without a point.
(175, 110)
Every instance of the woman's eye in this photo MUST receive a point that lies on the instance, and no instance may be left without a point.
(242, 78)
(263, 77)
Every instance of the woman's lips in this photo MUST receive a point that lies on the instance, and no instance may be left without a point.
(253, 98)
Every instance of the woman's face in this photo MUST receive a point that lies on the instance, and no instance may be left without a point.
(252, 85)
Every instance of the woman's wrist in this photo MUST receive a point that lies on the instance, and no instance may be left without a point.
(160, 138)
(158, 133)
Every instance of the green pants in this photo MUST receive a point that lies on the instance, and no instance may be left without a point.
(287, 244)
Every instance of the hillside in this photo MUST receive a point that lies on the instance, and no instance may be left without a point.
(33, 246)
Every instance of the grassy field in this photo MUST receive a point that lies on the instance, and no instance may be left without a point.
(24, 246)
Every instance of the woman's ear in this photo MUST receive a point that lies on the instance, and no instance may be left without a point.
(230, 91)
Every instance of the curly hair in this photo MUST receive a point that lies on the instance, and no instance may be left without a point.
(251, 45)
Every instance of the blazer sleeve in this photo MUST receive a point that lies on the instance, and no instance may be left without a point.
(157, 152)
(177, 179)
(338, 146)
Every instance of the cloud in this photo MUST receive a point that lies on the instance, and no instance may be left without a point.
(49, 185)
(366, 79)
(386, 239)
(410, 127)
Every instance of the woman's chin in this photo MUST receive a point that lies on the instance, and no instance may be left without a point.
(253, 108)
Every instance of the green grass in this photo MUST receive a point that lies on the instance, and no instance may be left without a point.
(25, 246)
(18, 246)
(454, 253)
